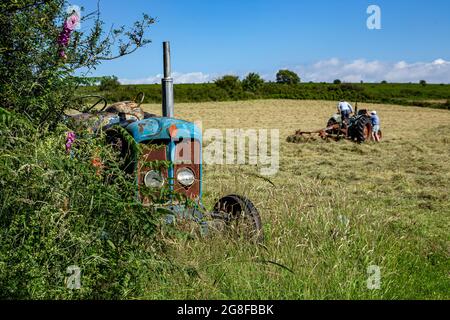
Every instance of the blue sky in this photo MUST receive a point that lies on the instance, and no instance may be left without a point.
(321, 40)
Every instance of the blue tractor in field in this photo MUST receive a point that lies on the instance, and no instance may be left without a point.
(170, 159)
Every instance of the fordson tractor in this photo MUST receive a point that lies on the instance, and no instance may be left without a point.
(177, 144)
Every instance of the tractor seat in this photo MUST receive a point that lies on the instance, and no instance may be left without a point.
(130, 109)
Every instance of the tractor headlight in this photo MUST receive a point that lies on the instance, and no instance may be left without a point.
(154, 179)
(186, 177)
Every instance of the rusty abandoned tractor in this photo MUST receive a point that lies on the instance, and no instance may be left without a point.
(357, 128)
(178, 142)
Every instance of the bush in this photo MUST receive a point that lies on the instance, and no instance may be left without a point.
(39, 55)
(287, 77)
(109, 84)
(337, 81)
(252, 83)
(58, 211)
(229, 83)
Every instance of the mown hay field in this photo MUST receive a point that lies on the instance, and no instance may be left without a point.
(334, 210)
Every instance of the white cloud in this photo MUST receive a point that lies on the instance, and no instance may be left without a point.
(437, 71)
(192, 77)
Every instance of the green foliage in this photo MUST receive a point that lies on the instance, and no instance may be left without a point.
(109, 83)
(287, 77)
(337, 81)
(252, 83)
(423, 82)
(91, 81)
(229, 83)
(58, 211)
(34, 79)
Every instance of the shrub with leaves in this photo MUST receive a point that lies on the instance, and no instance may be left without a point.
(287, 77)
(58, 210)
(64, 204)
(229, 83)
(109, 84)
(39, 54)
(252, 82)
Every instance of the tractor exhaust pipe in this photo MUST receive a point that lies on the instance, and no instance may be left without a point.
(167, 84)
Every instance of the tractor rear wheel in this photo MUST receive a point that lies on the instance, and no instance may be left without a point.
(241, 217)
(361, 130)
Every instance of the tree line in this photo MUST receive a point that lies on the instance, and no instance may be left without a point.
(288, 85)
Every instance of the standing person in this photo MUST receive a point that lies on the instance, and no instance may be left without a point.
(375, 120)
(345, 109)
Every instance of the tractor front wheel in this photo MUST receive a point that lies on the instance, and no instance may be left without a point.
(240, 216)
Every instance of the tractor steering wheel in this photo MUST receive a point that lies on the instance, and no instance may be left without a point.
(139, 98)
(100, 99)
(83, 110)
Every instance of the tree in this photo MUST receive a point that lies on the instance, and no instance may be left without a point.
(384, 82)
(40, 51)
(423, 82)
(229, 83)
(287, 77)
(337, 81)
(109, 83)
(253, 82)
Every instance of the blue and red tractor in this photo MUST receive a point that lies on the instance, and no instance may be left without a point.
(178, 144)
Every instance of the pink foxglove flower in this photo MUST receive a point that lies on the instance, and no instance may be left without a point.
(70, 24)
(70, 139)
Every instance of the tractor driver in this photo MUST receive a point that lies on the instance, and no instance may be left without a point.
(345, 109)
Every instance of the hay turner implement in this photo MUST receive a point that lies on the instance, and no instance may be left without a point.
(326, 133)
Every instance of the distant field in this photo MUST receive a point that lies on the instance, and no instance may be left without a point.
(335, 209)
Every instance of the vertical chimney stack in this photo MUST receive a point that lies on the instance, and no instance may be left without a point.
(167, 84)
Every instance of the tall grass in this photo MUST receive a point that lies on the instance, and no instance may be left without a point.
(335, 210)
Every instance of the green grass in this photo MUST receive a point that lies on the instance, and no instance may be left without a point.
(336, 209)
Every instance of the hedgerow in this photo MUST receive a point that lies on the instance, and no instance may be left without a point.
(402, 94)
